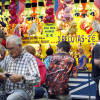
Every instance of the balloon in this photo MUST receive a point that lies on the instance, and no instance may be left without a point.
(97, 4)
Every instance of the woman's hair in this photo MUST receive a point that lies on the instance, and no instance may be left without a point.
(30, 49)
(2, 52)
(2, 35)
(49, 51)
(17, 40)
(65, 45)
(81, 50)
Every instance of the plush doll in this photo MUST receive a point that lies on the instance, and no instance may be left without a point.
(73, 28)
(33, 29)
(49, 18)
(13, 11)
(84, 11)
(68, 1)
(86, 26)
(67, 16)
(97, 4)
(96, 27)
(17, 30)
(49, 2)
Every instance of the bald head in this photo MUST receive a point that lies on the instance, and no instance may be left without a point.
(15, 39)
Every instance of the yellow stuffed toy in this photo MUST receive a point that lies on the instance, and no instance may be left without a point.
(72, 29)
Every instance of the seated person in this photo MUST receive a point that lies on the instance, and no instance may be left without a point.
(22, 69)
(2, 55)
(82, 59)
(39, 91)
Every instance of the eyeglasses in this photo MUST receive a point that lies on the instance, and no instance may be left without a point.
(12, 48)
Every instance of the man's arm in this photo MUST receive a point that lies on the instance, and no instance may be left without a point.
(33, 75)
(74, 70)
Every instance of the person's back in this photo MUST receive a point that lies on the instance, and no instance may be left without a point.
(61, 66)
(46, 61)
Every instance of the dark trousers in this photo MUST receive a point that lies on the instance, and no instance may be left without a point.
(39, 92)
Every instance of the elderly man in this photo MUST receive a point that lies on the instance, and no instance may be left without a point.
(23, 71)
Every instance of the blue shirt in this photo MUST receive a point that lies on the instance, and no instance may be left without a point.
(81, 61)
(47, 61)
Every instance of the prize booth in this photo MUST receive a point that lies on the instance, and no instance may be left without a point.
(44, 23)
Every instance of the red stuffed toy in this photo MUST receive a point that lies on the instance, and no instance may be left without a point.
(13, 11)
(49, 2)
(49, 18)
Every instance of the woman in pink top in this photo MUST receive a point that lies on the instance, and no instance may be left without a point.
(39, 92)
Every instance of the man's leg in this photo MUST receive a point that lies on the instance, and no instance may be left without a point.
(97, 94)
(39, 92)
(18, 95)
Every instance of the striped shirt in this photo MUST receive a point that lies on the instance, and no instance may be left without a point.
(24, 65)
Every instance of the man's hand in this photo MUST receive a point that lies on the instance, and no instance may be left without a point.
(15, 77)
(2, 76)
(97, 62)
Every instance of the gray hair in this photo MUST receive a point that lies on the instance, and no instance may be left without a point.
(17, 40)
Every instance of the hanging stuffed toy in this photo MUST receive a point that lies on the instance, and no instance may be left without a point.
(33, 29)
(28, 9)
(67, 17)
(34, 7)
(84, 11)
(97, 4)
(13, 11)
(90, 8)
(6, 13)
(20, 9)
(49, 18)
(85, 25)
(76, 3)
(96, 27)
(17, 30)
(73, 28)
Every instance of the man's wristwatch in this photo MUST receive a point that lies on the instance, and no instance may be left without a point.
(22, 79)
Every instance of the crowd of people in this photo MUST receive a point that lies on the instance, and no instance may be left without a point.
(23, 76)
